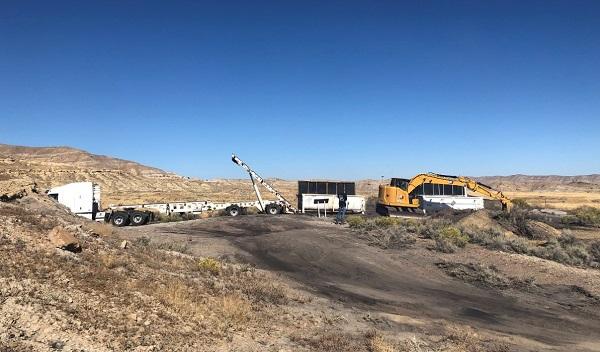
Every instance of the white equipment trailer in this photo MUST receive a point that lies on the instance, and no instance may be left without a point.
(83, 198)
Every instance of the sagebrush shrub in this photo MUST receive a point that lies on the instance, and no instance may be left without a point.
(587, 215)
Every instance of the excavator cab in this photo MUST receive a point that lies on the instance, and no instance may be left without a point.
(395, 195)
(401, 183)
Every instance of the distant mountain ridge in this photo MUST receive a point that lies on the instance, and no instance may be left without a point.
(542, 183)
(125, 181)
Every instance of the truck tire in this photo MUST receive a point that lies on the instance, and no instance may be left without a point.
(233, 210)
(272, 209)
(138, 218)
(120, 218)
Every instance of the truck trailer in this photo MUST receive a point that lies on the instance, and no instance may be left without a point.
(84, 199)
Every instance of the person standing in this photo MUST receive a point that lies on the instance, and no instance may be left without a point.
(342, 208)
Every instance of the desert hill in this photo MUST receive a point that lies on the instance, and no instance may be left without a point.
(122, 181)
(549, 182)
(126, 182)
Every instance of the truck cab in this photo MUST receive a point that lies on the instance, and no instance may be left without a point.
(82, 198)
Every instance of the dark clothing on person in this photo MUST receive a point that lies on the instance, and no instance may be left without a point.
(343, 207)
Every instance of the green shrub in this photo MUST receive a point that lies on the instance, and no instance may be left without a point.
(519, 245)
(569, 220)
(454, 235)
(356, 221)
(448, 239)
(384, 221)
(587, 215)
(595, 251)
(520, 203)
(566, 249)
(516, 221)
(210, 265)
(444, 245)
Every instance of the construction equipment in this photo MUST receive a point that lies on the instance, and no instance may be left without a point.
(282, 206)
(443, 190)
(83, 199)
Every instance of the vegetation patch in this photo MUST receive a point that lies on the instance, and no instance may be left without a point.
(210, 265)
(481, 275)
(448, 239)
(586, 216)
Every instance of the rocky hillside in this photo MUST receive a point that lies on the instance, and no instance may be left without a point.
(122, 181)
(543, 183)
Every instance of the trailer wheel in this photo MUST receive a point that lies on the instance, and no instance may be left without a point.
(272, 209)
(233, 210)
(120, 219)
(138, 218)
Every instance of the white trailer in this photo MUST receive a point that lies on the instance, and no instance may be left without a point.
(83, 199)
(437, 203)
(330, 203)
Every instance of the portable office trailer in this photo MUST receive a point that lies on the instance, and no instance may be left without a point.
(322, 195)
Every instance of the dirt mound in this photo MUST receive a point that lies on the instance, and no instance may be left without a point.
(540, 230)
(482, 220)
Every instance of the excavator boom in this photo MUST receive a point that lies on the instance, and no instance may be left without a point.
(470, 184)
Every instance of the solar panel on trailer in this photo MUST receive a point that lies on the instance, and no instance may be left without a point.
(312, 187)
(321, 188)
(332, 188)
(302, 187)
(349, 188)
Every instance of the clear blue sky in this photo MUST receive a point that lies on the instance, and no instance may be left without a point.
(308, 89)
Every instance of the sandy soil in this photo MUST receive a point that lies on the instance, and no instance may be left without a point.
(402, 290)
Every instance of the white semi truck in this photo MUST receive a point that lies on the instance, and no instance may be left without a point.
(84, 199)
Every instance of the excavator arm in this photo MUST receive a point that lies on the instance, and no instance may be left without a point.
(470, 184)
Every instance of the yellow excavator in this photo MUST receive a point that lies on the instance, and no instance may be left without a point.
(407, 195)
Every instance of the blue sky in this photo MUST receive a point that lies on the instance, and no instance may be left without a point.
(308, 89)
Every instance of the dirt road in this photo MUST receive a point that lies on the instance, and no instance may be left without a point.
(405, 285)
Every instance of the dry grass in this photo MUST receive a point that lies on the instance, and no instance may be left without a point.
(113, 260)
(100, 228)
(558, 200)
(333, 341)
(33, 220)
(264, 291)
(234, 309)
(377, 343)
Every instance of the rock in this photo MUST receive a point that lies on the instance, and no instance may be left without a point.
(554, 212)
(16, 188)
(63, 239)
(124, 244)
